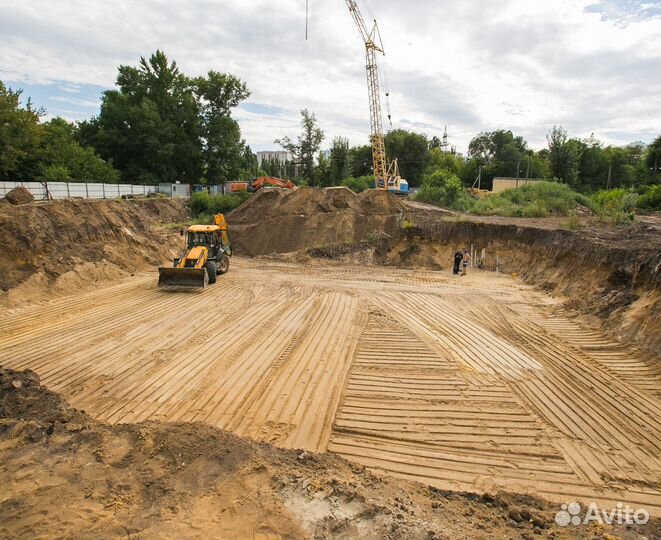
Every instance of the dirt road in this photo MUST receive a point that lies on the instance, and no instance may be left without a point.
(476, 383)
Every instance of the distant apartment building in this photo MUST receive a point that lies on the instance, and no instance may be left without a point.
(274, 155)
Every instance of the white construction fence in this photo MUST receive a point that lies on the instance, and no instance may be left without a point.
(66, 190)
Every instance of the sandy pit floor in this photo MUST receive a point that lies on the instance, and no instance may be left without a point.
(476, 383)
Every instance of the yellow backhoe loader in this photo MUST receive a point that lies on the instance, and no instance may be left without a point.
(208, 250)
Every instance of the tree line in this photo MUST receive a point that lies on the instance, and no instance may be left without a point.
(160, 125)
(586, 165)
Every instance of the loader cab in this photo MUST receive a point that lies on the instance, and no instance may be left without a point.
(204, 239)
(213, 237)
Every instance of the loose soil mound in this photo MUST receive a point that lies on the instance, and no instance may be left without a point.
(64, 244)
(65, 475)
(277, 221)
(19, 195)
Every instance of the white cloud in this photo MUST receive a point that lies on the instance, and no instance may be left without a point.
(85, 103)
(516, 64)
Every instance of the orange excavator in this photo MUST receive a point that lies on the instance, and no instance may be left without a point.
(269, 181)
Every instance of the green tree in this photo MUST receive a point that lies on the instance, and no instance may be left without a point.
(322, 171)
(62, 156)
(20, 133)
(622, 167)
(360, 161)
(593, 166)
(150, 126)
(444, 161)
(307, 145)
(359, 184)
(249, 167)
(161, 125)
(340, 167)
(564, 156)
(482, 148)
(411, 151)
(434, 142)
(31, 150)
(496, 153)
(444, 188)
(653, 158)
(537, 165)
(223, 148)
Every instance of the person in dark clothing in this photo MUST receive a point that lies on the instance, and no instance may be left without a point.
(458, 257)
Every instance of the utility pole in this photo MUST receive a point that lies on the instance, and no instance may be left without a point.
(528, 169)
(610, 175)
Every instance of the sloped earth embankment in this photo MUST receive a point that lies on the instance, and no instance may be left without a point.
(613, 274)
(61, 246)
(279, 221)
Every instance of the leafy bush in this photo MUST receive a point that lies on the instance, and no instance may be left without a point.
(651, 198)
(199, 202)
(443, 188)
(616, 200)
(203, 204)
(616, 205)
(359, 184)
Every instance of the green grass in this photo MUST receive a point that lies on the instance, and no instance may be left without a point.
(573, 223)
(539, 200)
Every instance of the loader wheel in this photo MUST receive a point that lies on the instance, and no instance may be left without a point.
(211, 271)
(223, 264)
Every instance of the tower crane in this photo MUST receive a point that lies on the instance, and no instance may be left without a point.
(386, 174)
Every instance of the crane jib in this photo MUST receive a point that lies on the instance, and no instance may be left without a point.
(374, 44)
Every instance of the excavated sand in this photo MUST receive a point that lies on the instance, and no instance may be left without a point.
(279, 221)
(477, 383)
(61, 246)
(65, 475)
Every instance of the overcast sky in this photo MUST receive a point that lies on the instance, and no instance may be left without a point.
(524, 65)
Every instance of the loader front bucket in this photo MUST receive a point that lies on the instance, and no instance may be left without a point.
(182, 278)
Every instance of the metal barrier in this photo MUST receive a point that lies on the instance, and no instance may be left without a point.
(83, 190)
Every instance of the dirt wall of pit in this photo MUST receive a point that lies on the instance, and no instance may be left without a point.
(614, 274)
(611, 273)
(59, 245)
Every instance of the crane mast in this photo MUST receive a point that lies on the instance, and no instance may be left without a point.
(373, 44)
